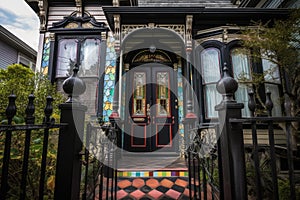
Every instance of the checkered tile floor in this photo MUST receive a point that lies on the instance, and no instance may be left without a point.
(163, 188)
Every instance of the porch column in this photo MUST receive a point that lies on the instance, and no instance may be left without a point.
(190, 117)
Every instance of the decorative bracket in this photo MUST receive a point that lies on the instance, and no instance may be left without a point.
(117, 34)
(42, 15)
(79, 8)
(188, 32)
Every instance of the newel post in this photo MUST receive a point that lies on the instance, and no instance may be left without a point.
(231, 141)
(68, 167)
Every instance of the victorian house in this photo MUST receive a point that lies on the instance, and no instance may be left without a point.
(154, 64)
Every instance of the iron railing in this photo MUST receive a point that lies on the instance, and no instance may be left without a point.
(11, 185)
(100, 162)
(259, 162)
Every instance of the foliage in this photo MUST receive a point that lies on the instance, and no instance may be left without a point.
(22, 81)
(279, 43)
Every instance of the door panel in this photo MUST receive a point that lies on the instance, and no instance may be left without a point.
(152, 115)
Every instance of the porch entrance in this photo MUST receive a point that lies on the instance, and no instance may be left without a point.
(152, 109)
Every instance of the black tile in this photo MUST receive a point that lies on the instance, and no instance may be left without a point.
(130, 189)
(162, 189)
(173, 179)
(127, 198)
(178, 188)
(145, 189)
(166, 198)
(183, 197)
(145, 198)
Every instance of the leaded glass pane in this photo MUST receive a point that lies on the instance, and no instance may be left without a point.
(139, 101)
(163, 94)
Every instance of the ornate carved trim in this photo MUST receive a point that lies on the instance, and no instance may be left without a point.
(52, 37)
(79, 8)
(116, 3)
(78, 23)
(117, 34)
(42, 15)
(188, 31)
(179, 29)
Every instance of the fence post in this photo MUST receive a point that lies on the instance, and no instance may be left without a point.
(68, 167)
(231, 141)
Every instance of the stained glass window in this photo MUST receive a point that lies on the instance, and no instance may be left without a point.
(139, 101)
(162, 94)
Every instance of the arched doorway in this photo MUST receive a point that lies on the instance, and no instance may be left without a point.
(151, 97)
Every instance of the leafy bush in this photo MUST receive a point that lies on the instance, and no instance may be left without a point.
(22, 81)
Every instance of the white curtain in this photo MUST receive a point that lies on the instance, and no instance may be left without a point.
(241, 71)
(210, 64)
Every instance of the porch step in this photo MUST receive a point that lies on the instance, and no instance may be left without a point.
(153, 188)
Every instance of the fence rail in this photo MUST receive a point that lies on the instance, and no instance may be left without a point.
(8, 131)
(243, 171)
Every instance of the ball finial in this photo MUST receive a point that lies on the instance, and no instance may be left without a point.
(74, 86)
(227, 85)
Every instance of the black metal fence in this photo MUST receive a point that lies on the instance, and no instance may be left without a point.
(101, 162)
(226, 168)
(15, 181)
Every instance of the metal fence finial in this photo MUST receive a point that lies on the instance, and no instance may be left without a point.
(11, 109)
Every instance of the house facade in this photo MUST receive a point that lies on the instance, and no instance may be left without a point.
(153, 64)
(13, 50)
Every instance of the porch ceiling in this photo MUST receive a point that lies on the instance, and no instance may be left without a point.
(159, 37)
(203, 18)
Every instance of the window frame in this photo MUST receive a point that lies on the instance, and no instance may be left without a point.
(81, 37)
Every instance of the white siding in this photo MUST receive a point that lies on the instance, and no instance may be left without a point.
(57, 14)
(8, 55)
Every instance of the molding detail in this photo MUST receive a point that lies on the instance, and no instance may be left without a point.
(79, 8)
(188, 31)
(116, 3)
(52, 37)
(179, 29)
(117, 34)
(42, 15)
(78, 23)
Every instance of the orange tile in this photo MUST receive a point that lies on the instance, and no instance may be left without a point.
(153, 183)
(138, 183)
(155, 194)
(121, 194)
(181, 182)
(166, 183)
(124, 184)
(173, 194)
(138, 194)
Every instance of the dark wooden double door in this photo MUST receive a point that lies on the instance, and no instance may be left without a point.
(152, 116)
